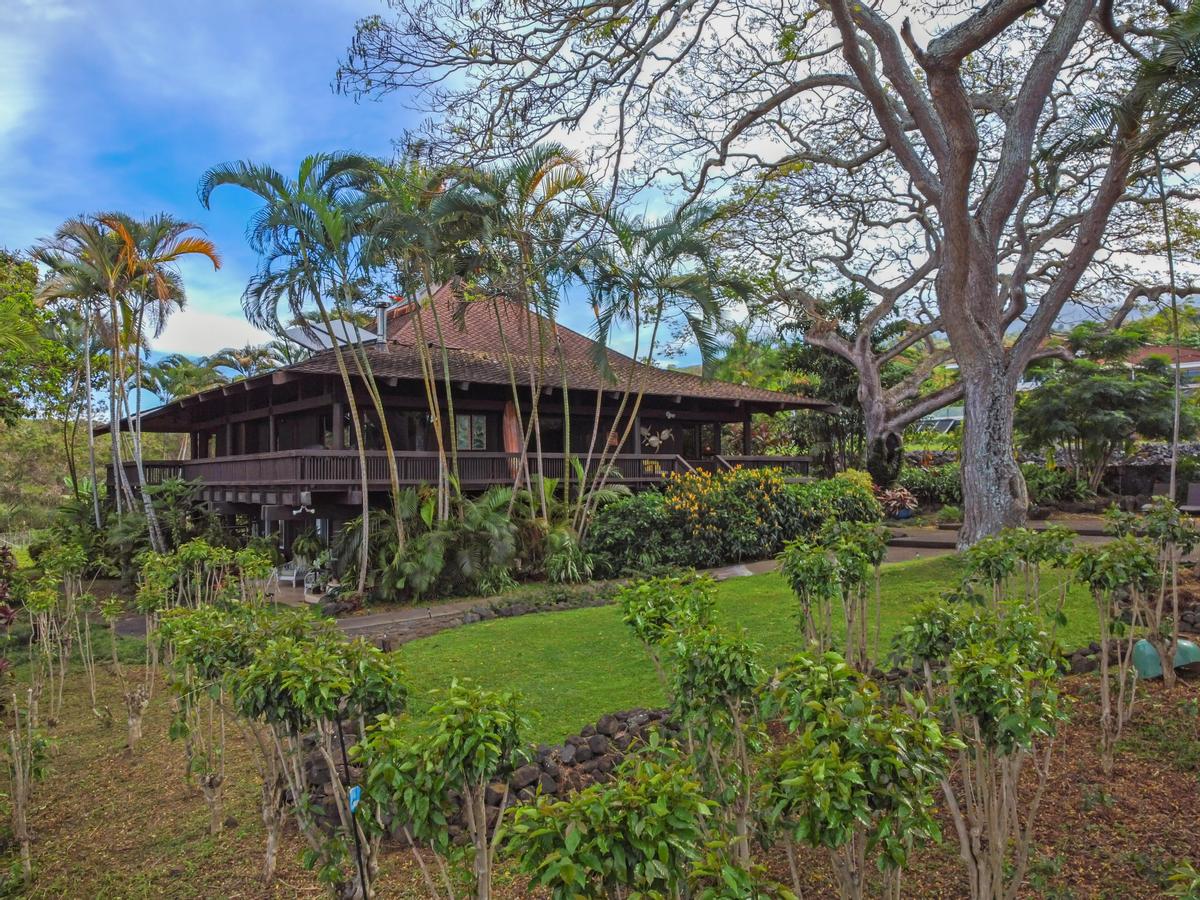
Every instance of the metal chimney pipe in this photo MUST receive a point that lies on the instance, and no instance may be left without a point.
(381, 322)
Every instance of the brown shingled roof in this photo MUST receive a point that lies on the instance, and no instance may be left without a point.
(476, 352)
(403, 361)
(472, 335)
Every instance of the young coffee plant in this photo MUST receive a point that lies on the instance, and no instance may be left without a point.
(659, 608)
(195, 575)
(635, 836)
(857, 777)
(1036, 551)
(1000, 701)
(213, 644)
(428, 774)
(1125, 567)
(1175, 537)
(85, 605)
(304, 693)
(53, 607)
(27, 763)
(830, 577)
(716, 686)
(204, 640)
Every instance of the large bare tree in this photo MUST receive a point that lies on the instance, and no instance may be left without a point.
(934, 151)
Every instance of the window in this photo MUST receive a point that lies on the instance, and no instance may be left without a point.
(471, 431)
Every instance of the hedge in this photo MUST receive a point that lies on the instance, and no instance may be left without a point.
(703, 519)
(942, 485)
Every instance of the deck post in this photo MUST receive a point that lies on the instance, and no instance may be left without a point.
(339, 441)
(746, 432)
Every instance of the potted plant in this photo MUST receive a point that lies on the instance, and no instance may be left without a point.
(307, 546)
(898, 502)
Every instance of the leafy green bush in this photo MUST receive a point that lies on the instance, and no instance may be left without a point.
(707, 519)
(634, 837)
(859, 776)
(631, 533)
(941, 485)
(948, 515)
(1048, 486)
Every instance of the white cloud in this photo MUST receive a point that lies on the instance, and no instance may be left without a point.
(202, 333)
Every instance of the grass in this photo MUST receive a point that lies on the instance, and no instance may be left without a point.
(573, 667)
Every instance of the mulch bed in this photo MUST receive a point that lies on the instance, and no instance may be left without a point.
(111, 823)
(1094, 838)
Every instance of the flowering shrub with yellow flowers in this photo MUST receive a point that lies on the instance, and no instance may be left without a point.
(701, 518)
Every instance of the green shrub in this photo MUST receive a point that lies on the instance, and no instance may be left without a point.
(934, 485)
(1048, 486)
(949, 515)
(636, 836)
(705, 519)
(631, 533)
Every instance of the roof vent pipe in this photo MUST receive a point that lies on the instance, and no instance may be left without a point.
(381, 322)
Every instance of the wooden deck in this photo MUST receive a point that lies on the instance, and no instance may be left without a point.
(256, 478)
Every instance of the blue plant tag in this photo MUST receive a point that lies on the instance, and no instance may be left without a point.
(355, 796)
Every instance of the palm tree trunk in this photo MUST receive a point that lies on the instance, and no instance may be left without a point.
(368, 376)
(352, 404)
(522, 467)
(156, 538)
(435, 408)
(602, 473)
(116, 385)
(447, 381)
(91, 412)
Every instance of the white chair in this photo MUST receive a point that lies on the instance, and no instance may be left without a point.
(292, 573)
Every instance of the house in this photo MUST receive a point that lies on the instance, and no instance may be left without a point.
(280, 447)
(1189, 361)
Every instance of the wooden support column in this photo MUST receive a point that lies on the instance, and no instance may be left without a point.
(746, 432)
(228, 439)
(194, 445)
(272, 444)
(339, 440)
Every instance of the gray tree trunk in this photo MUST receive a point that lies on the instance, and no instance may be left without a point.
(994, 495)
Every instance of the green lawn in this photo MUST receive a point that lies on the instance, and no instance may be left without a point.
(573, 667)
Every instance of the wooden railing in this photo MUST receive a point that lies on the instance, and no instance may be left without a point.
(339, 469)
(796, 465)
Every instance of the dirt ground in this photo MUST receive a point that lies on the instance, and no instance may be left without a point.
(109, 823)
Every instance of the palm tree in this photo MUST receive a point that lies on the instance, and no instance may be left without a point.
(247, 361)
(17, 333)
(287, 351)
(148, 253)
(176, 375)
(123, 274)
(410, 235)
(527, 244)
(306, 234)
(82, 256)
(645, 274)
(1170, 81)
(73, 280)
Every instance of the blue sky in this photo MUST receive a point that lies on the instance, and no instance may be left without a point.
(122, 105)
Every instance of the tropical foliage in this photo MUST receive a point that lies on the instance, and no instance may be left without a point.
(704, 519)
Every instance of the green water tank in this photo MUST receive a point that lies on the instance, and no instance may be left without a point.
(1145, 658)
